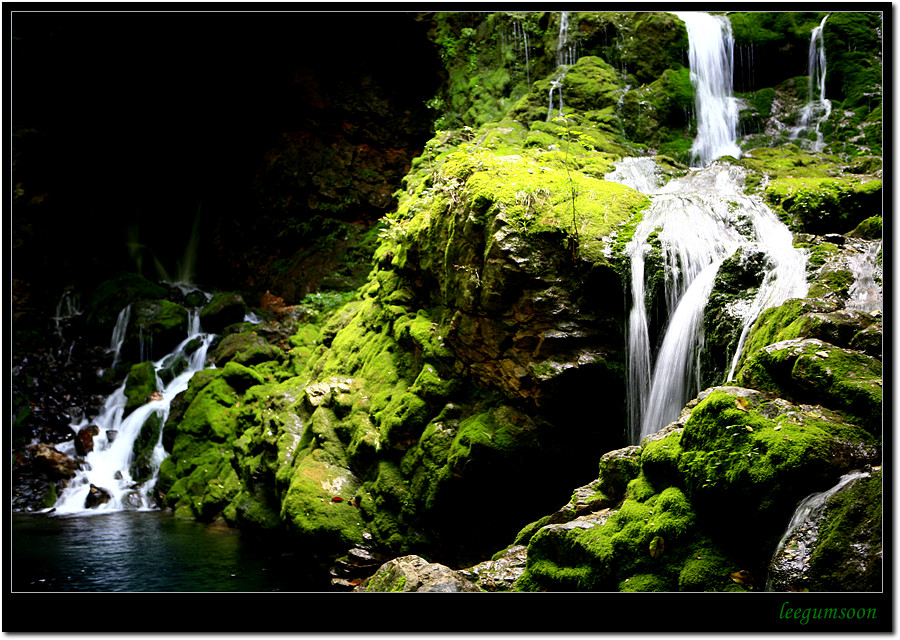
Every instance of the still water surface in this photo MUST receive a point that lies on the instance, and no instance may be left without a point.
(140, 551)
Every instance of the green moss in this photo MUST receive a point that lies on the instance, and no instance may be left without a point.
(868, 229)
(246, 348)
(646, 582)
(848, 547)
(736, 461)
(825, 205)
(140, 384)
(239, 377)
(810, 370)
(773, 325)
(308, 508)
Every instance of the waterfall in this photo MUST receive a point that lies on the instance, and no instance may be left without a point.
(68, 307)
(565, 56)
(711, 59)
(865, 292)
(792, 552)
(566, 52)
(700, 220)
(118, 335)
(785, 276)
(107, 466)
(817, 107)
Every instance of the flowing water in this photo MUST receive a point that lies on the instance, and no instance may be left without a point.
(817, 107)
(108, 466)
(792, 551)
(865, 293)
(711, 58)
(565, 56)
(699, 221)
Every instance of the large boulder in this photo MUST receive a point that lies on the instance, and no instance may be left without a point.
(225, 308)
(412, 573)
(156, 328)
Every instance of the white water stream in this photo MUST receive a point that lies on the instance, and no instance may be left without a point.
(817, 107)
(107, 465)
(711, 59)
(865, 293)
(700, 220)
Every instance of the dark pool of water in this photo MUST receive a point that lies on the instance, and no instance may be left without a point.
(147, 552)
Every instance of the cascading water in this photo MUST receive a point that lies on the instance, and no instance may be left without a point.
(817, 107)
(865, 293)
(108, 465)
(118, 335)
(565, 56)
(700, 220)
(792, 552)
(711, 59)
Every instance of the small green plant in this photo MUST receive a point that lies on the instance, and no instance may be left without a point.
(573, 236)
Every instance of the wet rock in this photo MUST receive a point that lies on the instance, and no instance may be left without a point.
(499, 573)
(55, 464)
(836, 544)
(223, 309)
(96, 496)
(869, 341)
(412, 573)
(84, 440)
(837, 327)
(156, 328)
(246, 348)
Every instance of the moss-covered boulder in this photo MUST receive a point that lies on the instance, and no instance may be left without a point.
(156, 328)
(809, 370)
(143, 462)
(736, 455)
(224, 308)
(837, 545)
(141, 382)
(318, 506)
(826, 205)
(110, 297)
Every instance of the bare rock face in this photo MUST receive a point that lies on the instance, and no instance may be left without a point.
(54, 463)
(412, 573)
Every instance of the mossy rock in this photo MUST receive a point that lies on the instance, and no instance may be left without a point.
(141, 382)
(589, 84)
(826, 205)
(748, 457)
(113, 295)
(141, 467)
(156, 328)
(207, 490)
(848, 551)
(650, 543)
(224, 309)
(868, 229)
(309, 508)
(772, 324)
(810, 370)
(239, 377)
(246, 348)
